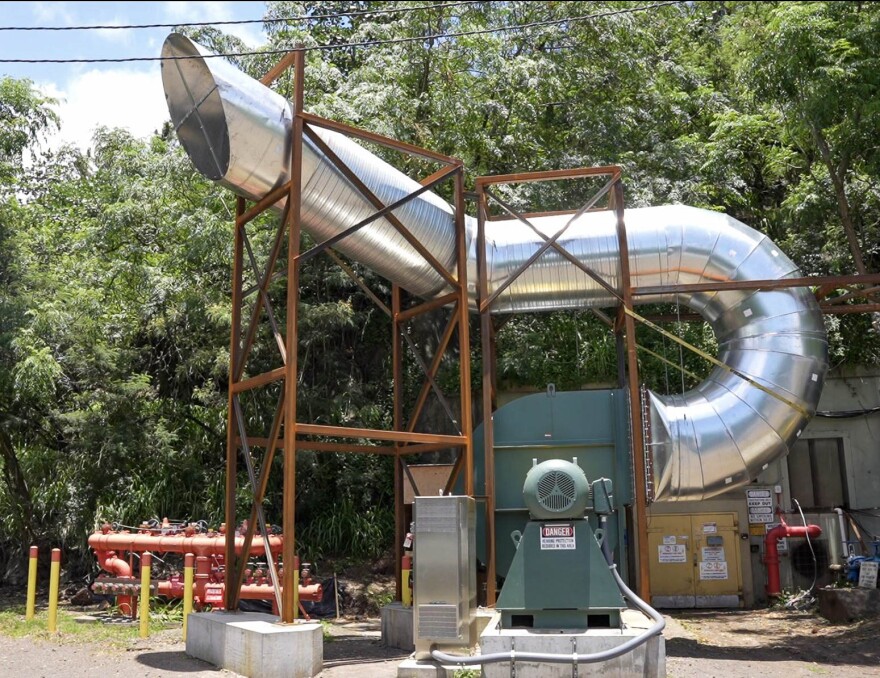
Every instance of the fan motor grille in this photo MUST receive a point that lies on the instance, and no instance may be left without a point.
(556, 491)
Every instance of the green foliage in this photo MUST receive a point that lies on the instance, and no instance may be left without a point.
(25, 115)
(345, 529)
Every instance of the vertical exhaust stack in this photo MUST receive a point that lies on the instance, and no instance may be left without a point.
(715, 437)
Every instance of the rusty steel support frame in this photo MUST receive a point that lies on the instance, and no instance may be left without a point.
(286, 432)
(290, 436)
(614, 190)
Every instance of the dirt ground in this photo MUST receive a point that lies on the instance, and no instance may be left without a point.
(699, 644)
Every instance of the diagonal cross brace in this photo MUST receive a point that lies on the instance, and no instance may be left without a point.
(559, 248)
(261, 516)
(262, 287)
(485, 305)
(383, 210)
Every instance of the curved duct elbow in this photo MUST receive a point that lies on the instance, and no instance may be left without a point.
(717, 436)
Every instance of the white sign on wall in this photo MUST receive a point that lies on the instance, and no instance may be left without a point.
(713, 553)
(713, 570)
(760, 505)
(672, 553)
(868, 574)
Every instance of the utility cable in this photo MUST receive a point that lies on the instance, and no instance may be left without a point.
(365, 43)
(239, 22)
(846, 414)
(805, 597)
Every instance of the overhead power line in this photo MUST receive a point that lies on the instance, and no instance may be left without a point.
(239, 22)
(366, 43)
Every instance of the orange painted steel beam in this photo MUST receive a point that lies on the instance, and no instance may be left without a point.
(376, 434)
(288, 580)
(421, 448)
(274, 196)
(283, 64)
(260, 380)
(553, 175)
(427, 306)
(487, 340)
(345, 448)
(781, 283)
(231, 600)
(636, 432)
(397, 422)
(397, 145)
(321, 446)
(466, 423)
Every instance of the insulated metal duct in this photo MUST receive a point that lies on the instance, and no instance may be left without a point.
(717, 436)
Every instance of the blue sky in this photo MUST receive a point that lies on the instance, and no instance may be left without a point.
(118, 95)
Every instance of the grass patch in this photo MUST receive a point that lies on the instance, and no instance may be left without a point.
(118, 634)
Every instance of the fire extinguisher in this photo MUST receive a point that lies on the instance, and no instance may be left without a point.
(406, 569)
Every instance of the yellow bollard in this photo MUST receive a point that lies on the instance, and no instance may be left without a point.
(406, 577)
(54, 576)
(295, 588)
(32, 585)
(189, 561)
(146, 561)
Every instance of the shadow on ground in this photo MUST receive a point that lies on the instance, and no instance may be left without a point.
(358, 643)
(179, 662)
(799, 636)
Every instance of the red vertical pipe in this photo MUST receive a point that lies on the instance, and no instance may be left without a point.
(771, 550)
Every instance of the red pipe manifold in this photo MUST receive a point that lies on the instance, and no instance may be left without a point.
(209, 584)
(771, 550)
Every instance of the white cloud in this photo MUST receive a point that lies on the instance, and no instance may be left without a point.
(251, 34)
(119, 36)
(58, 12)
(133, 100)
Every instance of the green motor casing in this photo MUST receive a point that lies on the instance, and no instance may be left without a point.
(556, 489)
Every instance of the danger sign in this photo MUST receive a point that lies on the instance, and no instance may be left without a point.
(558, 536)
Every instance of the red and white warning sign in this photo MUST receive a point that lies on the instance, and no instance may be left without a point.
(557, 536)
(213, 594)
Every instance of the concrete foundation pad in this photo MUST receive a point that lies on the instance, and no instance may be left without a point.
(415, 668)
(255, 645)
(646, 661)
(397, 626)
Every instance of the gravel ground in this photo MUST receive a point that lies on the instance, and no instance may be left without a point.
(732, 644)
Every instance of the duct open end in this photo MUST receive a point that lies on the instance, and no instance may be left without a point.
(195, 106)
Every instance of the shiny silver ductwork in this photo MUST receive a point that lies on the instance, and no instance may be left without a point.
(718, 436)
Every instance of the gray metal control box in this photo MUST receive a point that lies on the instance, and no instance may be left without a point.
(445, 573)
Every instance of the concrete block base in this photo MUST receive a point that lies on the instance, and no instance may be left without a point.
(646, 661)
(846, 605)
(255, 645)
(397, 626)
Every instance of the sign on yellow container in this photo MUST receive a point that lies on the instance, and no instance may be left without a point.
(694, 560)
